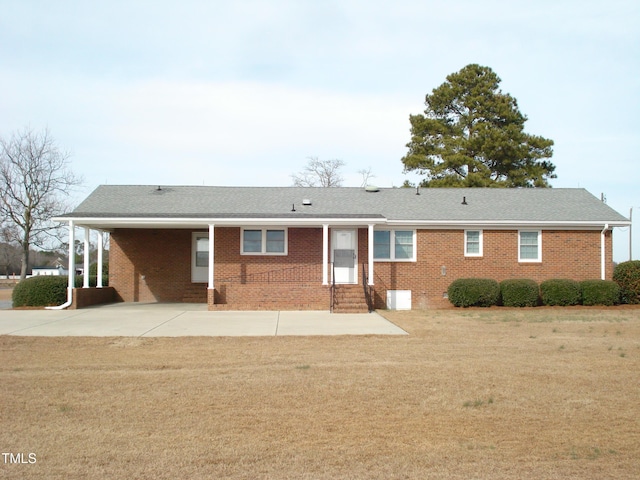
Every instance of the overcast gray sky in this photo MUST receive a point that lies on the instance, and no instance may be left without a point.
(241, 93)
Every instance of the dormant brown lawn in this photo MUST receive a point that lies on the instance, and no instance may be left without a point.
(478, 393)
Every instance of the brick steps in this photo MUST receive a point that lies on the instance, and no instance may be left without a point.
(350, 299)
(195, 293)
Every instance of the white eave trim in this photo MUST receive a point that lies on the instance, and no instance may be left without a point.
(155, 222)
(508, 224)
(201, 222)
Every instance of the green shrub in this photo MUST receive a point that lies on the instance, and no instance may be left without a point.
(627, 276)
(560, 292)
(600, 292)
(474, 292)
(519, 292)
(41, 291)
(93, 268)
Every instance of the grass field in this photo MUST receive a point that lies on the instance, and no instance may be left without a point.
(477, 393)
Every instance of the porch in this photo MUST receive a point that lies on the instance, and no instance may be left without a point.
(312, 268)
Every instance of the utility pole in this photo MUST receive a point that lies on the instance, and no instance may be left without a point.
(630, 235)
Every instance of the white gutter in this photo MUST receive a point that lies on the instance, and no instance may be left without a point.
(504, 224)
(72, 270)
(102, 223)
(107, 223)
(603, 270)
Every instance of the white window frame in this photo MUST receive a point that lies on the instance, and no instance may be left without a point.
(538, 259)
(392, 240)
(466, 244)
(264, 241)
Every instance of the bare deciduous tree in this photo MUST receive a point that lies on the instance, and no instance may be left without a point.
(366, 176)
(34, 178)
(319, 173)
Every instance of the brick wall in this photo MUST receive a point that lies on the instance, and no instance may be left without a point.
(267, 282)
(85, 297)
(155, 265)
(148, 265)
(565, 254)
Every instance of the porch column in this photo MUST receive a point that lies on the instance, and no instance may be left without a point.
(72, 261)
(85, 276)
(99, 270)
(370, 245)
(325, 254)
(211, 285)
(603, 249)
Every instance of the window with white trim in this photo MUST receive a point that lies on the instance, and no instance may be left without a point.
(201, 250)
(264, 241)
(473, 243)
(394, 245)
(529, 246)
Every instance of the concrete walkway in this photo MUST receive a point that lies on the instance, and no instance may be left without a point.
(179, 319)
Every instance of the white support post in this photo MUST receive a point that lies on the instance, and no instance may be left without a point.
(603, 245)
(72, 261)
(211, 285)
(85, 276)
(325, 254)
(370, 245)
(100, 260)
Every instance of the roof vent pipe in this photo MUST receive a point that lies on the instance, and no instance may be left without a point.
(293, 207)
(464, 201)
(418, 190)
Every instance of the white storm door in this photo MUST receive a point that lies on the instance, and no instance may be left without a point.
(200, 257)
(344, 255)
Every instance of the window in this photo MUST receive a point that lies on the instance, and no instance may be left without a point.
(382, 244)
(264, 241)
(404, 245)
(202, 251)
(252, 241)
(529, 246)
(473, 243)
(394, 245)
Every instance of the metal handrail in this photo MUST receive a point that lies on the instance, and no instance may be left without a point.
(367, 289)
(333, 286)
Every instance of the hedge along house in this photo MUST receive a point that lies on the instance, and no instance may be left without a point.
(349, 249)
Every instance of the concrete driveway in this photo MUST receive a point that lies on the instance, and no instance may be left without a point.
(179, 319)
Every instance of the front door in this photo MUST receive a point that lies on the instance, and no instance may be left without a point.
(344, 255)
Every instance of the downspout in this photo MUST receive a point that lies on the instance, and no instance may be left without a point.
(603, 244)
(72, 270)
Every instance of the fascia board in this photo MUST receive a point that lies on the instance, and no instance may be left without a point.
(508, 224)
(154, 222)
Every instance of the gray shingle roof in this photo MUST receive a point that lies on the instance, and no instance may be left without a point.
(396, 204)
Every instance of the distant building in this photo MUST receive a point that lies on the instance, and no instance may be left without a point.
(55, 271)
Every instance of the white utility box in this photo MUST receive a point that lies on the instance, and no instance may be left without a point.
(399, 299)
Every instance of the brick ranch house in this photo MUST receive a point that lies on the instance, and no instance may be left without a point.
(286, 247)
